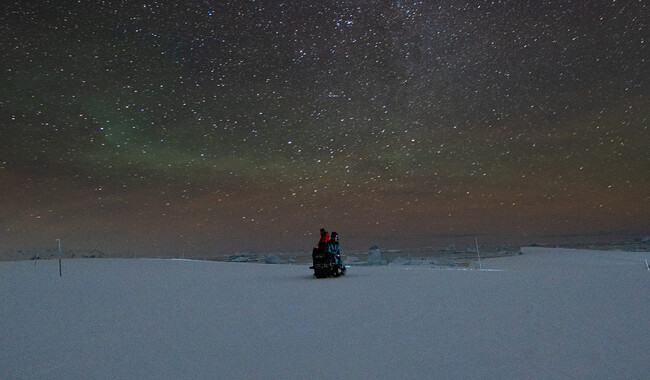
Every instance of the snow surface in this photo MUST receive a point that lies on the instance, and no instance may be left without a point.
(548, 313)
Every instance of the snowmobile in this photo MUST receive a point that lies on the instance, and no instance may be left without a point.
(326, 265)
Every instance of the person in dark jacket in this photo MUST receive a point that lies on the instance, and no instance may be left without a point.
(334, 249)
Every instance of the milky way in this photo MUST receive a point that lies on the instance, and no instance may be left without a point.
(247, 125)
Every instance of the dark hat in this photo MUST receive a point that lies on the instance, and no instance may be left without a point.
(335, 235)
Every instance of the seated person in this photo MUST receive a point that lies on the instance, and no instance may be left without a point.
(333, 249)
(324, 238)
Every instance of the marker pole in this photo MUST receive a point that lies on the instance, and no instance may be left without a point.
(479, 255)
(59, 240)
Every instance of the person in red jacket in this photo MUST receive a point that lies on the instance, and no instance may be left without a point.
(324, 238)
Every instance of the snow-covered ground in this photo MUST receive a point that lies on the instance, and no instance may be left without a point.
(549, 313)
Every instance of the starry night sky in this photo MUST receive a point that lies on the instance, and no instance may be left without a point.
(213, 126)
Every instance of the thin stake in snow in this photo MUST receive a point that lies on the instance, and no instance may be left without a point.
(479, 255)
(646, 264)
(59, 240)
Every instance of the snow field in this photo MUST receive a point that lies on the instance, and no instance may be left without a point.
(547, 314)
